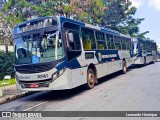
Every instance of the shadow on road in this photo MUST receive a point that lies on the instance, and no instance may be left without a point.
(136, 66)
(55, 95)
(65, 94)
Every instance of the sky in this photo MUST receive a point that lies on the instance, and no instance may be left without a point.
(150, 10)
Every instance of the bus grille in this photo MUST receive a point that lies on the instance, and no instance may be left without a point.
(34, 68)
(44, 83)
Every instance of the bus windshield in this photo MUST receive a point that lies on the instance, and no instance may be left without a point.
(38, 48)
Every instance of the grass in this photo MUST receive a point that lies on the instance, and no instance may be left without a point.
(12, 82)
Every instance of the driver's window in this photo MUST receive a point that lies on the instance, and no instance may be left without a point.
(72, 40)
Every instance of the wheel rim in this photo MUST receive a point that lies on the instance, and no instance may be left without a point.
(90, 78)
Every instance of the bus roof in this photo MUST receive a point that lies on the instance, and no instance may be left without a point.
(92, 26)
(146, 40)
(63, 19)
(34, 20)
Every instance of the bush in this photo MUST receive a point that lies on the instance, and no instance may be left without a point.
(6, 64)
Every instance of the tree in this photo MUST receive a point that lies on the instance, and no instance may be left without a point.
(119, 16)
(114, 14)
(6, 27)
(89, 11)
(29, 9)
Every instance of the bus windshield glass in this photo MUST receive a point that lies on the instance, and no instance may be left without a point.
(38, 48)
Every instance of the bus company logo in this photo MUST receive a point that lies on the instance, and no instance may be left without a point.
(109, 56)
(24, 77)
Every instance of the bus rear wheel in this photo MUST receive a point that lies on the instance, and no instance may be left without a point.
(124, 69)
(91, 77)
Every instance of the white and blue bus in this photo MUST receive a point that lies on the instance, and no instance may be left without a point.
(55, 53)
(145, 51)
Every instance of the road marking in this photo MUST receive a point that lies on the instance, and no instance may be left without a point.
(35, 106)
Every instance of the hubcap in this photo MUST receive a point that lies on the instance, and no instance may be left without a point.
(90, 78)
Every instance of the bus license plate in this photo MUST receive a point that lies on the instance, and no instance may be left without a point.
(34, 85)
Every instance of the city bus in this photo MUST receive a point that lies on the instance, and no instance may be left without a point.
(57, 53)
(145, 51)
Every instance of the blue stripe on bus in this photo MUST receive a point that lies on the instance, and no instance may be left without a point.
(104, 53)
(140, 54)
(61, 65)
(73, 64)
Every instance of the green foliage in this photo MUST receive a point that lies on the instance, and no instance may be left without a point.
(114, 14)
(6, 64)
(142, 35)
(89, 11)
(119, 15)
(12, 82)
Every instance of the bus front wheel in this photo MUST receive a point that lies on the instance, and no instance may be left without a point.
(91, 77)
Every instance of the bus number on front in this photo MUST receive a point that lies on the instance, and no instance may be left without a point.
(42, 76)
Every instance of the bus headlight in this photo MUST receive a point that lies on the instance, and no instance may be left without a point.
(57, 74)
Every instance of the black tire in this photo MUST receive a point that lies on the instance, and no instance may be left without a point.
(153, 62)
(124, 67)
(91, 78)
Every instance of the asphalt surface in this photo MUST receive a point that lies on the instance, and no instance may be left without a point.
(138, 90)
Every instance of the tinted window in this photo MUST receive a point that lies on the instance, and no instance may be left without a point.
(72, 36)
(73, 41)
(117, 42)
(88, 39)
(101, 43)
(110, 41)
(123, 41)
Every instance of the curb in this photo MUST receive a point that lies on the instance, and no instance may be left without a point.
(12, 97)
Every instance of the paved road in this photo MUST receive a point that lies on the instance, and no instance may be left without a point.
(138, 90)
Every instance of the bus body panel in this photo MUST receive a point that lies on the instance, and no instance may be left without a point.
(62, 82)
(75, 70)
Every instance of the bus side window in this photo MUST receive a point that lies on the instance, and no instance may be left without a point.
(124, 45)
(110, 41)
(117, 42)
(101, 40)
(88, 39)
(72, 39)
(72, 36)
